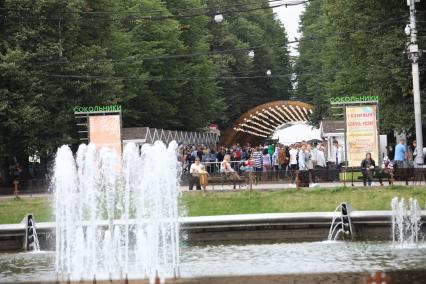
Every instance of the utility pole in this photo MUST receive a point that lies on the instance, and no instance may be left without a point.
(414, 56)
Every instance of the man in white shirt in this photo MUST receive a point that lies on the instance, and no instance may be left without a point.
(293, 161)
(337, 158)
(302, 158)
(321, 167)
(321, 158)
(314, 154)
(194, 171)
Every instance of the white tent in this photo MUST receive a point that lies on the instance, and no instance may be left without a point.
(297, 133)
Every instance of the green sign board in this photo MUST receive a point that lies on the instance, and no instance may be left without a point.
(346, 100)
(96, 109)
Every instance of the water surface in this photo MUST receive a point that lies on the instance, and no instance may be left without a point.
(250, 259)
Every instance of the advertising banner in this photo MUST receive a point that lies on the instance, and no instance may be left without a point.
(361, 134)
(105, 131)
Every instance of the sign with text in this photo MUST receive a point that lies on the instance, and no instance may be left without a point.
(361, 134)
(105, 131)
(347, 100)
(96, 109)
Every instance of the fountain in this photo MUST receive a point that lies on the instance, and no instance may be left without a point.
(31, 242)
(116, 217)
(406, 224)
(344, 227)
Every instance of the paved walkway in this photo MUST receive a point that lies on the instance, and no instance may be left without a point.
(24, 195)
(286, 185)
(229, 187)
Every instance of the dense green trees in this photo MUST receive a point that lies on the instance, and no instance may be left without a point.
(55, 54)
(356, 48)
(242, 30)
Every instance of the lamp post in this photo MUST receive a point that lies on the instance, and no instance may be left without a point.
(218, 18)
(414, 56)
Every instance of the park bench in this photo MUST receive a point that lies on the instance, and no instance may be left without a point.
(221, 179)
(400, 174)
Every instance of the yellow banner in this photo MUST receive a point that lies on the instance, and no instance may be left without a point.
(361, 134)
(105, 131)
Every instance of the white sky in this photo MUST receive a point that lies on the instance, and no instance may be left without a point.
(290, 18)
(296, 133)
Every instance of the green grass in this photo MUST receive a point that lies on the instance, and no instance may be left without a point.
(14, 210)
(357, 176)
(316, 200)
(221, 203)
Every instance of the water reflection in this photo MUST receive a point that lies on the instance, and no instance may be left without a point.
(252, 259)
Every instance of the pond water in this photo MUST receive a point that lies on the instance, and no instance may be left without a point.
(249, 259)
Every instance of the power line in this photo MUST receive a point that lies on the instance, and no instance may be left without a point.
(173, 10)
(161, 78)
(155, 17)
(130, 60)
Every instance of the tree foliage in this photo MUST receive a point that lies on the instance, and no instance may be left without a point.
(56, 54)
(356, 48)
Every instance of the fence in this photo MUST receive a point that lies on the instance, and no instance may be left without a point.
(344, 174)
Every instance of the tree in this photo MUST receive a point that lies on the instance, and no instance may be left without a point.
(356, 48)
(240, 30)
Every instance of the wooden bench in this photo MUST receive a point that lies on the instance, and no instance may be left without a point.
(404, 174)
(223, 180)
(399, 174)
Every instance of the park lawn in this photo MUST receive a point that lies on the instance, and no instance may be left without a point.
(245, 202)
(296, 200)
(14, 210)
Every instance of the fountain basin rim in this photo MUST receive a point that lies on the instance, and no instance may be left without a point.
(242, 219)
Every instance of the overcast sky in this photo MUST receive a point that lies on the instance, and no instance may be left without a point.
(290, 18)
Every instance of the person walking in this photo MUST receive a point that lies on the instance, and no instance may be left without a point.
(400, 152)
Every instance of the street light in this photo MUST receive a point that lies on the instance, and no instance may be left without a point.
(268, 72)
(407, 30)
(218, 18)
(251, 54)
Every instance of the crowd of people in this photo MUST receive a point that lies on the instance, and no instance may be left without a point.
(305, 162)
(266, 162)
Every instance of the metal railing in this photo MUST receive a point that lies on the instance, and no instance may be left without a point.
(344, 174)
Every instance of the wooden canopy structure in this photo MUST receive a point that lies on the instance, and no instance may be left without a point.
(257, 124)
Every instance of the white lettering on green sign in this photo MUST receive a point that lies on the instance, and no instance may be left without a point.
(97, 109)
(353, 99)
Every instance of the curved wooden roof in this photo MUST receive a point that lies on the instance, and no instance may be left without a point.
(258, 123)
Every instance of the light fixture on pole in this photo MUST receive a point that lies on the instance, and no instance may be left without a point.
(268, 72)
(251, 54)
(407, 29)
(218, 18)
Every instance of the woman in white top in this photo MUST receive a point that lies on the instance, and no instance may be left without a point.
(225, 165)
(227, 170)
